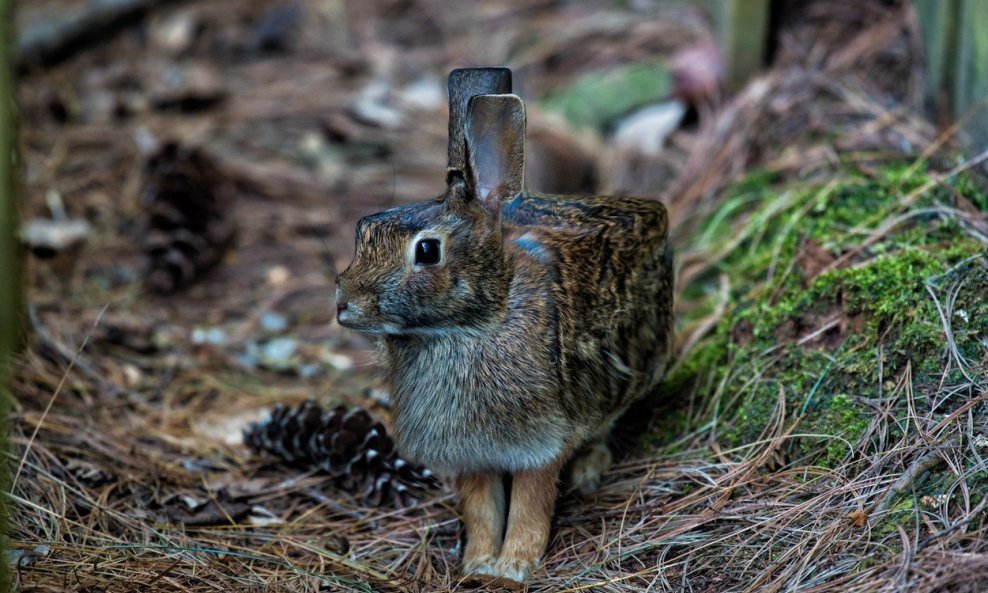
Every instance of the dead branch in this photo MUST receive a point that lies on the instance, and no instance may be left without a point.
(54, 40)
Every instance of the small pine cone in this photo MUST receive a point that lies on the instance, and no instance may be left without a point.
(190, 222)
(348, 445)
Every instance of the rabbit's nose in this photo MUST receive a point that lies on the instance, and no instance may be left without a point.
(341, 301)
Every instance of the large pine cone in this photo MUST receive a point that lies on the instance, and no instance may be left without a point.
(190, 222)
(349, 445)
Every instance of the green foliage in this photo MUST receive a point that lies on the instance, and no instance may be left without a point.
(598, 98)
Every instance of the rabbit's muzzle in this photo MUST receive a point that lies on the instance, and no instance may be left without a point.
(350, 312)
(357, 307)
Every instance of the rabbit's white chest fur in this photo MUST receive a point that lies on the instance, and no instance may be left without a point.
(479, 400)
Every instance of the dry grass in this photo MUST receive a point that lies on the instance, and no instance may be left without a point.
(98, 486)
(113, 443)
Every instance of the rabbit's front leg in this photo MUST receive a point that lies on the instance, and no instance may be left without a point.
(482, 506)
(533, 497)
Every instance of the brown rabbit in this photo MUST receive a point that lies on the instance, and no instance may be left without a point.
(515, 327)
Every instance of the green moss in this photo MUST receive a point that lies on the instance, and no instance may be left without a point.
(818, 340)
(902, 514)
(842, 422)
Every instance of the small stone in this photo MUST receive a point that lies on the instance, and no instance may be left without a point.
(273, 322)
(212, 336)
(372, 107)
(48, 238)
(278, 354)
(175, 34)
(426, 94)
(338, 361)
(646, 130)
(132, 375)
(278, 275)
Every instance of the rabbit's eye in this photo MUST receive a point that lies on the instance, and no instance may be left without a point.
(427, 252)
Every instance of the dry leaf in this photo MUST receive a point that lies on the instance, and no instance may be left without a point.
(858, 518)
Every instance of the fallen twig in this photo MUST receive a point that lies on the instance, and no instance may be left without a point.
(55, 39)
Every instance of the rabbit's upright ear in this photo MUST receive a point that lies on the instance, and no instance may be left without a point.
(495, 142)
(465, 83)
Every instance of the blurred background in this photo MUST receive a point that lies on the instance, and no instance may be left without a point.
(208, 160)
(193, 171)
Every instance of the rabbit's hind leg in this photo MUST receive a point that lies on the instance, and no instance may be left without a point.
(589, 465)
(482, 504)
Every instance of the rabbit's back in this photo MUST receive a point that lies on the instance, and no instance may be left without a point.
(613, 285)
(585, 331)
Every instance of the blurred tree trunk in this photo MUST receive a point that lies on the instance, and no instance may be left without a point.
(955, 46)
(741, 27)
(971, 81)
(10, 278)
(937, 22)
(11, 288)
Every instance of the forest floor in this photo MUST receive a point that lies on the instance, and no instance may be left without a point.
(824, 427)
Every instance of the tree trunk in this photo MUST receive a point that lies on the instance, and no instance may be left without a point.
(741, 27)
(955, 43)
(11, 286)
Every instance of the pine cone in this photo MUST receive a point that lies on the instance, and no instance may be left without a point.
(349, 445)
(190, 222)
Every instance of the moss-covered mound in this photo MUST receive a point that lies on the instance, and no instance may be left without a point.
(850, 318)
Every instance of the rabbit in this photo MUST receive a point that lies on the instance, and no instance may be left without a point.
(514, 327)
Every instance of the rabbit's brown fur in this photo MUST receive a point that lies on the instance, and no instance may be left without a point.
(543, 319)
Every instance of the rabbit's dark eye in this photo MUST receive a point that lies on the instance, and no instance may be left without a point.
(427, 252)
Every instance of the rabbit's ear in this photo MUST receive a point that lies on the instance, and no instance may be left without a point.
(495, 142)
(465, 83)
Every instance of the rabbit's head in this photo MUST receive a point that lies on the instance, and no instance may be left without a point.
(441, 266)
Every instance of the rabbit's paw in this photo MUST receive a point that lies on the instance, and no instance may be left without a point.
(480, 570)
(490, 575)
(513, 572)
(588, 467)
